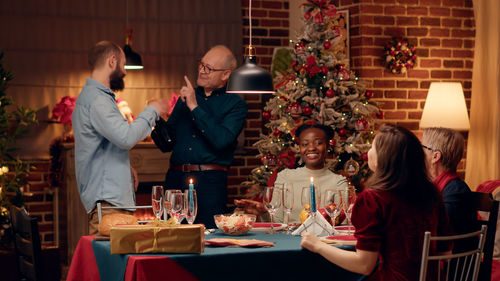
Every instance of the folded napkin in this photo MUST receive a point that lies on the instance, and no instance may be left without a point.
(316, 225)
(223, 242)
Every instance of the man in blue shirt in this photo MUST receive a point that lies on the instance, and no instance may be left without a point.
(103, 137)
(205, 124)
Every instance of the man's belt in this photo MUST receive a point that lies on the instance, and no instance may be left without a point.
(198, 168)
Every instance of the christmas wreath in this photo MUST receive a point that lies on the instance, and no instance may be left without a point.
(400, 55)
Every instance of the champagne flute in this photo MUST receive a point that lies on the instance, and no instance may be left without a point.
(288, 203)
(332, 204)
(177, 205)
(157, 200)
(348, 197)
(190, 205)
(168, 201)
(272, 201)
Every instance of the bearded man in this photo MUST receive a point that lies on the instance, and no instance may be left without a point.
(103, 137)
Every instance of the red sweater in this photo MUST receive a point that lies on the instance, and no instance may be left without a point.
(386, 225)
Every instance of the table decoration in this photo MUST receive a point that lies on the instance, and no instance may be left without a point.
(400, 55)
(157, 238)
(315, 224)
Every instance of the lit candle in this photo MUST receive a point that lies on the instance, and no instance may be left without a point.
(313, 196)
(190, 194)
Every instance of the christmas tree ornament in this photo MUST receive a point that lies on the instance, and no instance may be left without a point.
(327, 45)
(269, 160)
(277, 133)
(330, 93)
(295, 109)
(369, 94)
(307, 110)
(351, 167)
(364, 156)
(342, 132)
(266, 115)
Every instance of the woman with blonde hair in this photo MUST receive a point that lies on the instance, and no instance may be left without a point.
(392, 213)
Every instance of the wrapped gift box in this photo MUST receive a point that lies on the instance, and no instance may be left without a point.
(127, 239)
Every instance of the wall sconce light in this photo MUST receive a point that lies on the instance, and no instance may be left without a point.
(250, 78)
(445, 107)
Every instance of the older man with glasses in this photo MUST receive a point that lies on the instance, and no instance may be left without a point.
(443, 150)
(205, 124)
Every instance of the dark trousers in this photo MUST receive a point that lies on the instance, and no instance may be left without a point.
(211, 190)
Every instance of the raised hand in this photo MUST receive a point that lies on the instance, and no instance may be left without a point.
(188, 95)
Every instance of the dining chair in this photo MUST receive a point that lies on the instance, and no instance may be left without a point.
(483, 202)
(33, 262)
(100, 208)
(463, 265)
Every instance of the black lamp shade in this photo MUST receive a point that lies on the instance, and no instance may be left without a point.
(134, 60)
(250, 79)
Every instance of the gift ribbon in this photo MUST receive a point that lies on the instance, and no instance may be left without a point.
(155, 238)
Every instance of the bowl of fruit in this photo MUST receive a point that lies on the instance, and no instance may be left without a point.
(235, 224)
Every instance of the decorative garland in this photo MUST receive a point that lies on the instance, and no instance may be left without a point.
(399, 55)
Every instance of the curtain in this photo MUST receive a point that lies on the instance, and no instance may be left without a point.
(46, 45)
(483, 151)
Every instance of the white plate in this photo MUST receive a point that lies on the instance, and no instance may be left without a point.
(267, 226)
(339, 241)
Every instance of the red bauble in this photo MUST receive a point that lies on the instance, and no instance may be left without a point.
(380, 114)
(324, 70)
(364, 156)
(269, 160)
(342, 132)
(266, 115)
(295, 109)
(327, 45)
(277, 133)
(330, 93)
(369, 94)
(333, 142)
(308, 110)
(362, 124)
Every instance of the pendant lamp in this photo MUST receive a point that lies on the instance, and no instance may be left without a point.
(250, 78)
(133, 59)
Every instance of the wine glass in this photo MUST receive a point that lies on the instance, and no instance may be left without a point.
(157, 200)
(332, 205)
(288, 203)
(272, 201)
(168, 201)
(177, 200)
(190, 205)
(348, 197)
(306, 199)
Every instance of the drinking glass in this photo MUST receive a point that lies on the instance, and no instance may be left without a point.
(177, 200)
(288, 204)
(348, 197)
(272, 201)
(306, 199)
(168, 201)
(331, 203)
(190, 205)
(157, 200)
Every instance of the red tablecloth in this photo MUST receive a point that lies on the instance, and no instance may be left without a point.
(83, 266)
(139, 268)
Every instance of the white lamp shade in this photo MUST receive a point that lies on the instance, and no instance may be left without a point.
(445, 107)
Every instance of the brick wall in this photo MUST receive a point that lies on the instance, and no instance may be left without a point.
(269, 30)
(39, 197)
(442, 32)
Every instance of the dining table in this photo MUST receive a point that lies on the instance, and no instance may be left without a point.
(286, 260)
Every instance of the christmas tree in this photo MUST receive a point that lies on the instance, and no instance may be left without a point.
(13, 171)
(317, 87)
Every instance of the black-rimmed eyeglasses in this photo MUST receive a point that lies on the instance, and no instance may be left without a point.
(428, 148)
(207, 69)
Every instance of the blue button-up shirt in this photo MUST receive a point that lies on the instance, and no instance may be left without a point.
(103, 139)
